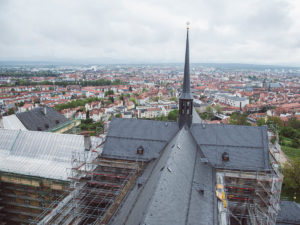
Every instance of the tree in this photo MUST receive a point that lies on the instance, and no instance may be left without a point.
(218, 109)
(210, 112)
(173, 115)
(174, 99)
(239, 119)
(118, 115)
(295, 143)
(291, 172)
(260, 122)
(111, 98)
(288, 132)
(108, 102)
(263, 109)
(121, 97)
(273, 140)
(294, 123)
(90, 125)
(11, 111)
(76, 103)
(130, 89)
(156, 98)
(110, 92)
(88, 114)
(274, 122)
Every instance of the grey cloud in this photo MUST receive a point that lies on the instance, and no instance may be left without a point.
(250, 31)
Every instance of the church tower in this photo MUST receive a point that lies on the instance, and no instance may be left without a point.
(186, 99)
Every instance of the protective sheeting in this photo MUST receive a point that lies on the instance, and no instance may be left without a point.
(7, 138)
(13, 123)
(40, 154)
(34, 167)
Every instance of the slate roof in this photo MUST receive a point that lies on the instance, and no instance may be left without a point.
(171, 205)
(170, 189)
(126, 135)
(289, 213)
(196, 117)
(177, 172)
(247, 146)
(36, 120)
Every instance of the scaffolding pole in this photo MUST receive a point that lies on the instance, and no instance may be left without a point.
(251, 196)
(97, 186)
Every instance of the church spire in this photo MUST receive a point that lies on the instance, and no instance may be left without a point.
(186, 79)
(186, 99)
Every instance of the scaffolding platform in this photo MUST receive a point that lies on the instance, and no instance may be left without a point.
(249, 197)
(97, 187)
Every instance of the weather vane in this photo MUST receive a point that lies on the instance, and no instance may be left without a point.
(187, 25)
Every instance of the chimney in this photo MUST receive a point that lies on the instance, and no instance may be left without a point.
(45, 110)
(87, 142)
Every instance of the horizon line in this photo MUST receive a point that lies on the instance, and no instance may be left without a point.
(92, 62)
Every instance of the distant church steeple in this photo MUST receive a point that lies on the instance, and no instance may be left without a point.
(186, 99)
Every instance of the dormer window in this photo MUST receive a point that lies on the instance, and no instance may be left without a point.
(225, 156)
(140, 150)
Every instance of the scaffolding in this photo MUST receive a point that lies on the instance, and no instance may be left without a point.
(22, 198)
(2, 215)
(250, 198)
(98, 185)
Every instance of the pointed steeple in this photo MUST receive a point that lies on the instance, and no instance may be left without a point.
(186, 99)
(186, 78)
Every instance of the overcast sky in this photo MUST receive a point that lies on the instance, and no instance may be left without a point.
(133, 31)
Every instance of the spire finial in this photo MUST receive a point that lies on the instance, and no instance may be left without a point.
(187, 25)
